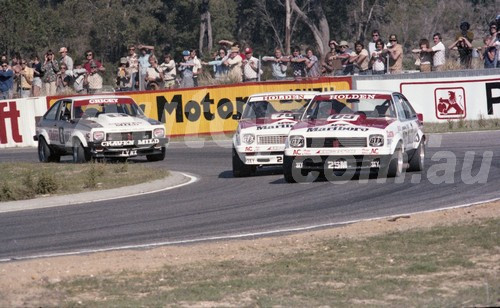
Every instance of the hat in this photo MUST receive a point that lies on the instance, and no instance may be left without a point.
(344, 43)
(63, 49)
(185, 53)
(123, 60)
(248, 50)
(235, 49)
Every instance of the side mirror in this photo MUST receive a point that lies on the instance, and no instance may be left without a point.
(236, 116)
(420, 117)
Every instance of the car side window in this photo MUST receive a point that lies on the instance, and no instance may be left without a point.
(409, 111)
(52, 113)
(65, 113)
(399, 108)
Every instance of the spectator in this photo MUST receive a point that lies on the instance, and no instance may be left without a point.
(63, 80)
(298, 62)
(169, 71)
(16, 67)
(79, 78)
(197, 66)
(371, 46)
(251, 66)
(312, 64)
(92, 63)
(146, 52)
(279, 64)
(133, 64)
(124, 76)
(49, 70)
(395, 52)
(378, 58)
(360, 59)
(489, 53)
(6, 81)
(464, 48)
(424, 54)
(154, 75)
(93, 80)
(343, 55)
(438, 53)
(67, 60)
(329, 64)
(26, 79)
(36, 86)
(220, 70)
(493, 29)
(234, 62)
(464, 32)
(186, 69)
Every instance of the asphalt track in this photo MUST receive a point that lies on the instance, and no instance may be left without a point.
(461, 168)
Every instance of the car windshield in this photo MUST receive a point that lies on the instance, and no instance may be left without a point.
(95, 107)
(325, 107)
(279, 106)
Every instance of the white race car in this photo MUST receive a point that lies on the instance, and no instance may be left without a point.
(98, 127)
(263, 129)
(344, 132)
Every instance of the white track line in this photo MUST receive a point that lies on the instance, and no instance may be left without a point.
(237, 236)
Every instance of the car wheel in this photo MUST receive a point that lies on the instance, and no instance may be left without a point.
(45, 154)
(80, 155)
(416, 162)
(288, 169)
(395, 167)
(240, 169)
(157, 157)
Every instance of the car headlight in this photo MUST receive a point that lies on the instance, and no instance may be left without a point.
(248, 138)
(98, 135)
(296, 141)
(159, 132)
(376, 140)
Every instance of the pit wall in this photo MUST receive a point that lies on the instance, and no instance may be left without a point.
(210, 110)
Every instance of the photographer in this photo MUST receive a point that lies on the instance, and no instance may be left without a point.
(124, 76)
(154, 75)
(395, 52)
(49, 70)
(464, 48)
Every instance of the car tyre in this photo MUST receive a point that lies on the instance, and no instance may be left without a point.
(288, 169)
(157, 157)
(45, 154)
(80, 155)
(395, 167)
(240, 169)
(416, 162)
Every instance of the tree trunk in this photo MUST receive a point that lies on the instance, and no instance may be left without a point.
(321, 32)
(288, 27)
(205, 27)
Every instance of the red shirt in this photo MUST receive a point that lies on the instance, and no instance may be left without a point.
(87, 65)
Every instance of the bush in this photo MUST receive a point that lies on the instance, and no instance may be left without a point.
(46, 184)
(91, 177)
(6, 193)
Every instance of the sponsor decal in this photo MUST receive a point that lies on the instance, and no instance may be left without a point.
(276, 126)
(284, 115)
(491, 97)
(450, 103)
(336, 151)
(148, 141)
(128, 124)
(12, 114)
(390, 134)
(337, 128)
(375, 151)
(284, 97)
(117, 143)
(248, 149)
(103, 101)
(353, 96)
(345, 117)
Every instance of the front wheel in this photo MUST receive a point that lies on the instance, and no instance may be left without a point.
(240, 169)
(395, 167)
(416, 162)
(157, 157)
(80, 155)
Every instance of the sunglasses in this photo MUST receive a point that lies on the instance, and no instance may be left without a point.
(89, 55)
(374, 34)
(393, 40)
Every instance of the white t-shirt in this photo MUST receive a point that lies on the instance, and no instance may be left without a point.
(439, 54)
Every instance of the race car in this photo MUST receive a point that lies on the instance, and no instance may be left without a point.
(98, 127)
(342, 133)
(263, 128)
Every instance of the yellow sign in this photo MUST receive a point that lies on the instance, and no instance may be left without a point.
(207, 110)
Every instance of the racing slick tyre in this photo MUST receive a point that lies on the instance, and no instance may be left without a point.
(416, 162)
(287, 169)
(157, 157)
(45, 154)
(240, 169)
(80, 155)
(395, 167)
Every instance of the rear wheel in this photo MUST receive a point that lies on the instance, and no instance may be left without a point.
(45, 154)
(240, 169)
(80, 155)
(157, 157)
(416, 162)
(395, 167)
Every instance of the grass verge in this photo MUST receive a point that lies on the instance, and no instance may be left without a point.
(454, 265)
(20, 181)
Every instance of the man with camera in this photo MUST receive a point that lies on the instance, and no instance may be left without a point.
(395, 52)
(50, 68)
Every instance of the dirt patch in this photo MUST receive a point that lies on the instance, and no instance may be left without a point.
(21, 282)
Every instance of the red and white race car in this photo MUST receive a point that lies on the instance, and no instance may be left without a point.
(263, 128)
(344, 132)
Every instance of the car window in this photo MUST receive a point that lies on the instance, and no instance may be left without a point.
(408, 109)
(65, 111)
(399, 108)
(52, 113)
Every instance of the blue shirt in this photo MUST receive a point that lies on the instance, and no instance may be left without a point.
(6, 80)
(144, 63)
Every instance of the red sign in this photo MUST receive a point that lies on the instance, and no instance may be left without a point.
(450, 103)
(13, 114)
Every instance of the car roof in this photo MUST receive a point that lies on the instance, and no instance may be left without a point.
(384, 92)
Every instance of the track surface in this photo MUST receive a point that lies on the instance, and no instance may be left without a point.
(219, 205)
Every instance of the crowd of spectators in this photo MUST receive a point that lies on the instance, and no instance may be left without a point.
(141, 69)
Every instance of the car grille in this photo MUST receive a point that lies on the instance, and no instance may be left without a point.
(358, 142)
(276, 139)
(128, 136)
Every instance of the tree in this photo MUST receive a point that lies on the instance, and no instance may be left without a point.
(205, 27)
